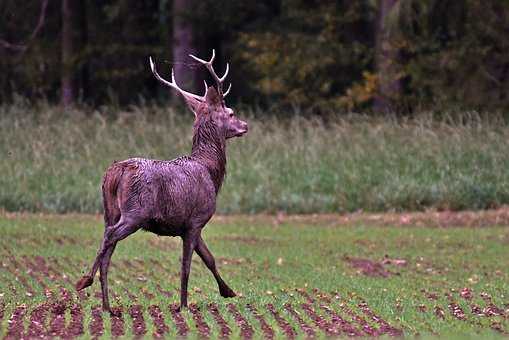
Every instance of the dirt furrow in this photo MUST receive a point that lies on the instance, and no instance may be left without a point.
(180, 323)
(308, 330)
(117, 322)
(268, 332)
(282, 323)
(201, 325)
(136, 313)
(365, 326)
(75, 327)
(491, 309)
(304, 294)
(158, 319)
(32, 271)
(57, 321)
(166, 293)
(384, 327)
(341, 324)
(246, 331)
(37, 319)
(16, 270)
(319, 321)
(224, 329)
(96, 326)
(15, 328)
(338, 322)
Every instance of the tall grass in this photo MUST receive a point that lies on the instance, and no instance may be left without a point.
(53, 160)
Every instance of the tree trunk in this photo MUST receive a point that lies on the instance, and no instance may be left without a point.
(84, 75)
(183, 45)
(387, 63)
(68, 91)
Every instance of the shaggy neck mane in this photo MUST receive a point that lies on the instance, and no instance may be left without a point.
(209, 148)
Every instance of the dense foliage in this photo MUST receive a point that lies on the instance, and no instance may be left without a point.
(54, 159)
(319, 55)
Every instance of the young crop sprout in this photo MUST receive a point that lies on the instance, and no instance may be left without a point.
(175, 197)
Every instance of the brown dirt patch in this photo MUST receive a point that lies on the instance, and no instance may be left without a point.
(431, 218)
(367, 267)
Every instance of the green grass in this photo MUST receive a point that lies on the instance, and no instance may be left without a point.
(266, 262)
(53, 161)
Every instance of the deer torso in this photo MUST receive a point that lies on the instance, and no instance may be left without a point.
(166, 196)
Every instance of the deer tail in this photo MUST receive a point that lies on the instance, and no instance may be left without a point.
(110, 186)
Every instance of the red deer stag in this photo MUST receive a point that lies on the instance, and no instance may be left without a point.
(171, 198)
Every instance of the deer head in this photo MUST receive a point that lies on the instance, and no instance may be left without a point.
(211, 106)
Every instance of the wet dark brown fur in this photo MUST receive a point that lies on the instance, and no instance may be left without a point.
(170, 198)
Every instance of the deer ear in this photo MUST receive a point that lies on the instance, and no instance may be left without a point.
(213, 98)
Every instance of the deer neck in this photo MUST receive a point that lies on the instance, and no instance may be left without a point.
(209, 148)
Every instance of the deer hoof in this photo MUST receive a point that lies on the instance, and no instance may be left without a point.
(115, 312)
(84, 282)
(227, 293)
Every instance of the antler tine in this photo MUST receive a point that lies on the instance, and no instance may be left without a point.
(173, 83)
(227, 91)
(206, 88)
(208, 65)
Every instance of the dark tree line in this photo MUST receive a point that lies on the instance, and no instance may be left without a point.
(341, 55)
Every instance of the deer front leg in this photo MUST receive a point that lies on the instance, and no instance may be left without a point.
(208, 259)
(189, 244)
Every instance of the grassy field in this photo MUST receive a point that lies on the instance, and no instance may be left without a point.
(53, 161)
(296, 276)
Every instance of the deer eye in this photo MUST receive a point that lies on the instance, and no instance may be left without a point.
(231, 115)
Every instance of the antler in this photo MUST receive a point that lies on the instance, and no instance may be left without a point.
(173, 83)
(219, 80)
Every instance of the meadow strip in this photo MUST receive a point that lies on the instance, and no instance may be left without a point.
(282, 323)
(224, 329)
(268, 332)
(246, 331)
(158, 319)
(308, 330)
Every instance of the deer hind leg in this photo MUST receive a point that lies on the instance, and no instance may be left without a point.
(208, 259)
(113, 234)
(105, 263)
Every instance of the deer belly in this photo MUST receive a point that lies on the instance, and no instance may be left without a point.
(164, 228)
